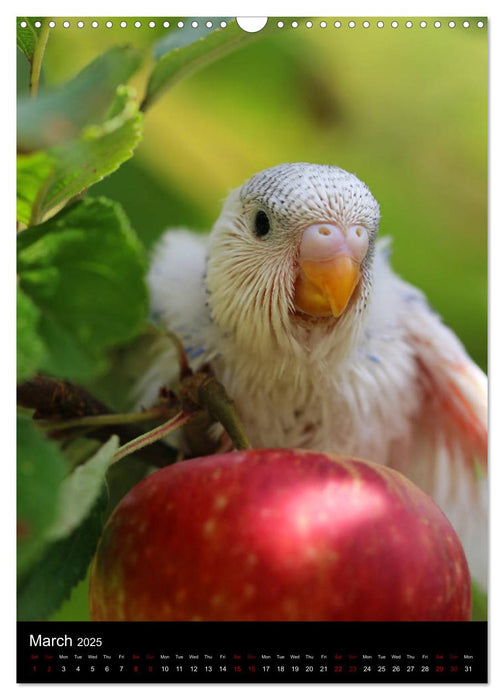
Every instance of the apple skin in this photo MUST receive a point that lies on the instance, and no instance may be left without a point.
(278, 535)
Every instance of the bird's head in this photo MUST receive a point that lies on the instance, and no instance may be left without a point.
(292, 248)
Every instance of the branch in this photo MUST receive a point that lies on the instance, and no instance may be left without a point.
(58, 400)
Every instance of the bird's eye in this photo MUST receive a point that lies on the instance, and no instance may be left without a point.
(261, 224)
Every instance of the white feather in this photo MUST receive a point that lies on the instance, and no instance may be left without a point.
(176, 282)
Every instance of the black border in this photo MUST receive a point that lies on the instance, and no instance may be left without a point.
(348, 652)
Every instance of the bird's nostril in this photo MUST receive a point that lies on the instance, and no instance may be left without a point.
(324, 231)
(358, 232)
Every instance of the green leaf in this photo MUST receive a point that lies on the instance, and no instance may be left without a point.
(76, 606)
(46, 179)
(186, 58)
(41, 467)
(64, 563)
(31, 351)
(80, 490)
(84, 270)
(178, 38)
(27, 37)
(99, 151)
(32, 171)
(59, 115)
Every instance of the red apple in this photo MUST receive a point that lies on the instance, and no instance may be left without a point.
(278, 535)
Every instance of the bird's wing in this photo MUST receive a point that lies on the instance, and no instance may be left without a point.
(176, 281)
(448, 452)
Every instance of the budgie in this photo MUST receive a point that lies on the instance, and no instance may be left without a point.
(292, 302)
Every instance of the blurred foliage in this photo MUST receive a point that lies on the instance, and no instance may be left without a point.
(479, 604)
(405, 109)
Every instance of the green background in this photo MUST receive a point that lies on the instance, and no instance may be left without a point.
(405, 109)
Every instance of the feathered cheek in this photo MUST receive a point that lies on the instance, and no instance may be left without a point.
(329, 268)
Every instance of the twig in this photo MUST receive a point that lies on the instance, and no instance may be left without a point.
(154, 435)
(105, 420)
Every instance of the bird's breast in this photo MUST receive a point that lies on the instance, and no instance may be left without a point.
(363, 408)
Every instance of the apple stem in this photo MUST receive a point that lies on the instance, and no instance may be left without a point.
(151, 436)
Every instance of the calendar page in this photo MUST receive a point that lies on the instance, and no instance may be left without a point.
(251, 349)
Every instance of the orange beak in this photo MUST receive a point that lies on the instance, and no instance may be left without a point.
(324, 287)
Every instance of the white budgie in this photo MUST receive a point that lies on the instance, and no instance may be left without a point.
(292, 302)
